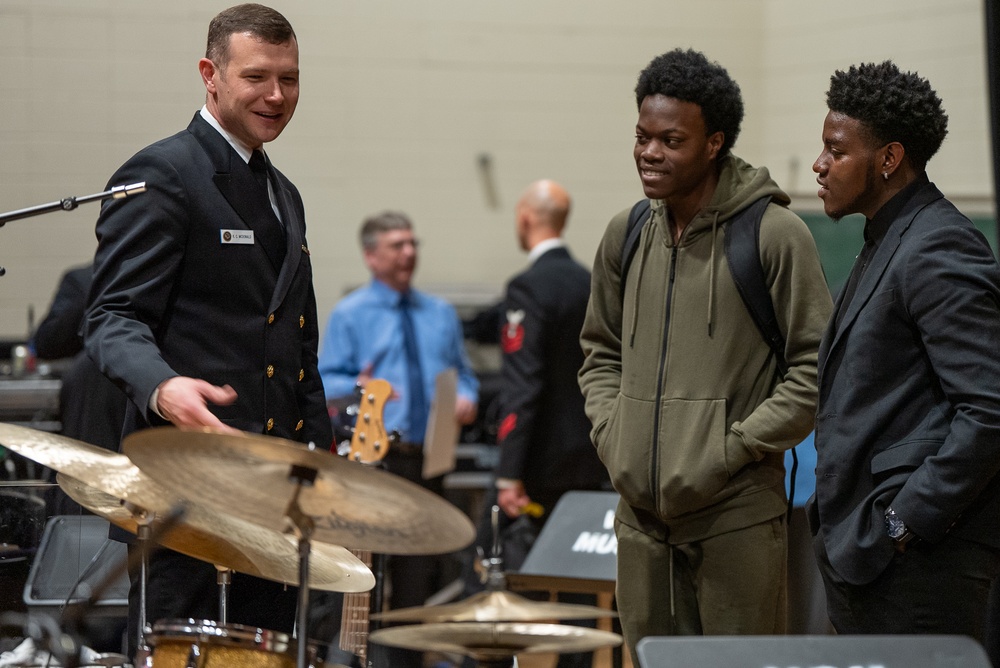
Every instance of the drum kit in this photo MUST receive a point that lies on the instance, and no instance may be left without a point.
(282, 511)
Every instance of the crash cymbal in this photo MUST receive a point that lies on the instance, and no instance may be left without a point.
(485, 641)
(494, 606)
(108, 471)
(228, 541)
(247, 475)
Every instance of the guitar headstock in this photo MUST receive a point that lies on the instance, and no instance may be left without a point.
(370, 441)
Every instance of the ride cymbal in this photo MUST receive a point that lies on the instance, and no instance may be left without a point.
(350, 504)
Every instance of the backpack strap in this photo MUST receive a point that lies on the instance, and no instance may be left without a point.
(742, 243)
(637, 217)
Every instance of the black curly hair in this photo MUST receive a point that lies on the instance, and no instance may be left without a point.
(893, 106)
(690, 76)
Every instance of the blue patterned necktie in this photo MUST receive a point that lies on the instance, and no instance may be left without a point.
(415, 378)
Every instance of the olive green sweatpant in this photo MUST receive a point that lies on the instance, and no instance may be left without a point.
(730, 584)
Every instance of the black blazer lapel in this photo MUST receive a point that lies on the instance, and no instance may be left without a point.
(294, 238)
(236, 183)
(883, 256)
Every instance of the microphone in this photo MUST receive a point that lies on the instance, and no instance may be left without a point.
(70, 203)
(119, 192)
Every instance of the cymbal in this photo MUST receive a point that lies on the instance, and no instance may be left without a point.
(484, 641)
(114, 478)
(109, 471)
(494, 606)
(228, 541)
(247, 475)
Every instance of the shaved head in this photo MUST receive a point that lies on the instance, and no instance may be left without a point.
(541, 213)
(549, 201)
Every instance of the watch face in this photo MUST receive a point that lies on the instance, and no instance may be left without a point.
(894, 526)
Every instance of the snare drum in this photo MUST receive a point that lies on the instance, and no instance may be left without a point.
(207, 644)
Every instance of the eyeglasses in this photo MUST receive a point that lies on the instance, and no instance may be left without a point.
(397, 246)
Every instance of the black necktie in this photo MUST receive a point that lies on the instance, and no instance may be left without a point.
(258, 165)
(415, 378)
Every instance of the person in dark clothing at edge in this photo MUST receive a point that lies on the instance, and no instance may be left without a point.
(906, 513)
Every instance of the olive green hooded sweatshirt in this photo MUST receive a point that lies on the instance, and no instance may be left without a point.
(689, 414)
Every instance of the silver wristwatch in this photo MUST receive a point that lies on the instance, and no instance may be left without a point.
(897, 530)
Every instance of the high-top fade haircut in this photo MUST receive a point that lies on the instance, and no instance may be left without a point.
(262, 22)
(893, 106)
(691, 77)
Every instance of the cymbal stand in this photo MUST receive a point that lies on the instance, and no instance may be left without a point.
(147, 535)
(495, 580)
(303, 525)
(224, 578)
(144, 530)
(491, 573)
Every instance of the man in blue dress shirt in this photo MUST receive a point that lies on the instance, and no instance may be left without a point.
(388, 330)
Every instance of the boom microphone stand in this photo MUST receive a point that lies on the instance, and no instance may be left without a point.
(70, 203)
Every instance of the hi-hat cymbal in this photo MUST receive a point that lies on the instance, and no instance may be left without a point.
(351, 504)
(494, 606)
(228, 541)
(485, 641)
(101, 479)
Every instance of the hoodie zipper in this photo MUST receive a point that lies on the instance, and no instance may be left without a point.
(659, 381)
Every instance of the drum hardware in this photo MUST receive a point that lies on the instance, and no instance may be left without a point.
(208, 644)
(206, 535)
(494, 625)
(496, 604)
(110, 485)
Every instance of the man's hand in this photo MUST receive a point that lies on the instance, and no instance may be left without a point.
(465, 410)
(512, 499)
(184, 402)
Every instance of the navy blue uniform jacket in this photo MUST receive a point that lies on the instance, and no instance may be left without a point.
(170, 298)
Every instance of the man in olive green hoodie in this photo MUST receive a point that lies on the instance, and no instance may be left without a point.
(690, 413)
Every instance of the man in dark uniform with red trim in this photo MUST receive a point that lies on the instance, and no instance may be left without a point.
(544, 434)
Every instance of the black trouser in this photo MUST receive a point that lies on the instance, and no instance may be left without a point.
(932, 588)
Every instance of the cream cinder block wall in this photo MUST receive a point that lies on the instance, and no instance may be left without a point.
(942, 41)
(402, 99)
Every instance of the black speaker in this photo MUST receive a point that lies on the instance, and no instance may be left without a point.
(75, 557)
(909, 651)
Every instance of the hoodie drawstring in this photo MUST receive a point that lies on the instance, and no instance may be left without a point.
(711, 273)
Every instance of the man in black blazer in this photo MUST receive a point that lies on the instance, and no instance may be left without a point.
(906, 512)
(202, 306)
